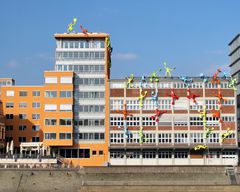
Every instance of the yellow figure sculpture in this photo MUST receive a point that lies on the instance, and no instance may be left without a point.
(203, 116)
(70, 25)
(208, 132)
(168, 70)
(199, 147)
(141, 97)
(129, 82)
(142, 137)
(226, 134)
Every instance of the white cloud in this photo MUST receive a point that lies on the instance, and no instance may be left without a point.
(125, 56)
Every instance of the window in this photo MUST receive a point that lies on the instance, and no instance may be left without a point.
(100, 152)
(22, 139)
(90, 81)
(196, 121)
(36, 93)
(22, 116)
(65, 121)
(228, 118)
(165, 154)
(116, 104)
(51, 94)
(35, 139)
(50, 136)
(50, 121)
(9, 127)
(91, 108)
(116, 138)
(8, 139)
(35, 116)
(9, 93)
(94, 152)
(211, 104)
(9, 105)
(181, 154)
(196, 137)
(22, 127)
(23, 105)
(22, 93)
(149, 154)
(50, 107)
(229, 155)
(51, 80)
(9, 116)
(181, 138)
(65, 136)
(36, 128)
(132, 154)
(89, 122)
(116, 154)
(65, 94)
(150, 138)
(213, 138)
(35, 105)
(165, 138)
(65, 107)
(91, 136)
(66, 80)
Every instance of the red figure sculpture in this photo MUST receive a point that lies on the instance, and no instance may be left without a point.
(85, 31)
(192, 96)
(220, 97)
(216, 113)
(124, 112)
(214, 78)
(158, 114)
(173, 95)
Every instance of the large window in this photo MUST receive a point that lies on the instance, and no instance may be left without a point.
(22, 116)
(22, 139)
(9, 105)
(181, 154)
(91, 136)
(89, 122)
(75, 153)
(22, 105)
(149, 154)
(22, 127)
(35, 105)
(9, 116)
(196, 137)
(9, 127)
(83, 55)
(91, 108)
(213, 138)
(211, 104)
(35, 139)
(116, 138)
(65, 94)
(65, 107)
(66, 122)
(51, 94)
(165, 138)
(165, 154)
(50, 121)
(22, 93)
(66, 80)
(65, 136)
(50, 136)
(51, 80)
(10, 93)
(36, 128)
(36, 93)
(35, 116)
(50, 107)
(181, 138)
(90, 95)
(116, 154)
(90, 81)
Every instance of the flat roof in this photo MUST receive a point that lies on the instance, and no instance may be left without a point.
(81, 35)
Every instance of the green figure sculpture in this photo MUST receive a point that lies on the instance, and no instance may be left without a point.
(208, 132)
(232, 83)
(168, 70)
(70, 25)
(154, 76)
(203, 116)
(130, 81)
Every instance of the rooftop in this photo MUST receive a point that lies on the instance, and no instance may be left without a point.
(81, 35)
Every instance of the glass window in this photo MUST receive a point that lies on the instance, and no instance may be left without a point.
(22, 93)
(66, 80)
(22, 127)
(10, 93)
(36, 128)
(23, 105)
(9, 127)
(51, 94)
(10, 105)
(65, 94)
(36, 93)
(51, 80)
(65, 121)
(35, 116)
(9, 116)
(50, 136)
(22, 139)
(50, 121)
(35, 139)
(35, 105)
(22, 116)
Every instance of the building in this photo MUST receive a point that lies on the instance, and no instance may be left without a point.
(82, 116)
(235, 68)
(165, 131)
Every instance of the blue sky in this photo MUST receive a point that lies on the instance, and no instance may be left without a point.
(192, 36)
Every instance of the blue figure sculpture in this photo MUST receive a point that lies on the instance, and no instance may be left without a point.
(143, 82)
(155, 97)
(127, 133)
(204, 78)
(186, 80)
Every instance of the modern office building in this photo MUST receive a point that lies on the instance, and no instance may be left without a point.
(89, 120)
(164, 130)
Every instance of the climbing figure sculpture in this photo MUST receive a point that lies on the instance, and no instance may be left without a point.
(186, 80)
(155, 97)
(142, 137)
(84, 31)
(204, 78)
(157, 115)
(217, 114)
(215, 78)
(203, 116)
(71, 25)
(127, 133)
(130, 81)
(174, 96)
(232, 83)
(199, 147)
(154, 76)
(208, 132)
(168, 70)
(124, 112)
(192, 96)
(226, 134)
(141, 97)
